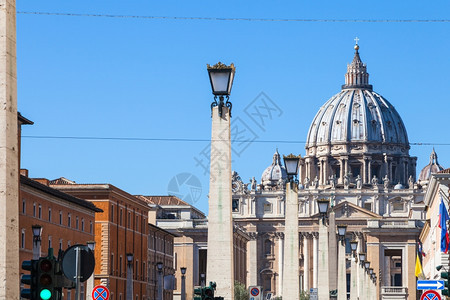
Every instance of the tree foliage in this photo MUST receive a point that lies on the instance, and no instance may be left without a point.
(240, 291)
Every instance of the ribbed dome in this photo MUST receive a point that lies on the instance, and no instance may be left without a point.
(274, 172)
(432, 167)
(357, 114)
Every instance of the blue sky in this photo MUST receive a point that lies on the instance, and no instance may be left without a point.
(147, 78)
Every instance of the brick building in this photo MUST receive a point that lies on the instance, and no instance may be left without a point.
(160, 249)
(120, 229)
(65, 219)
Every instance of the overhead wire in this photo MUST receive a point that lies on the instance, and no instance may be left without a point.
(235, 18)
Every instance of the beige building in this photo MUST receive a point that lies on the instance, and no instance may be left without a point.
(189, 225)
(438, 188)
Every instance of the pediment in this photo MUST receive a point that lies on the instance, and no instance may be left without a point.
(346, 210)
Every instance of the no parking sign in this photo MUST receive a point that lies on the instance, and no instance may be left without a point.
(254, 292)
(430, 295)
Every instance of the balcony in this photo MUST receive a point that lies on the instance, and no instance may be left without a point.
(394, 292)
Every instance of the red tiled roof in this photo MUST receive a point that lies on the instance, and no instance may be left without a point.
(162, 200)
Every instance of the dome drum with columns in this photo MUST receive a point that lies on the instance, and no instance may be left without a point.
(357, 132)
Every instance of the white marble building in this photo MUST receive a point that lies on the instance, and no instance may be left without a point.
(357, 155)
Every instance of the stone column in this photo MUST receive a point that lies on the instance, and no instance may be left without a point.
(315, 259)
(291, 282)
(280, 239)
(342, 273)
(252, 260)
(353, 280)
(341, 176)
(9, 157)
(306, 262)
(220, 264)
(332, 251)
(323, 281)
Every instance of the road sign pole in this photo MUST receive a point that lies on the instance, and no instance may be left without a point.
(77, 274)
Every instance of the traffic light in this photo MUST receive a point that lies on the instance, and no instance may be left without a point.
(29, 279)
(46, 278)
(209, 291)
(198, 293)
(445, 292)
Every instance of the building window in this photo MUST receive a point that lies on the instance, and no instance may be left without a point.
(368, 206)
(82, 224)
(120, 217)
(22, 239)
(397, 206)
(76, 222)
(111, 270)
(69, 220)
(90, 227)
(24, 206)
(60, 244)
(120, 266)
(112, 213)
(60, 218)
(137, 223)
(34, 209)
(40, 212)
(50, 215)
(268, 247)
(137, 270)
(143, 271)
(235, 205)
(129, 220)
(267, 207)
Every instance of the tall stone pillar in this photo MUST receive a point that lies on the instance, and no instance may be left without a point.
(280, 239)
(9, 158)
(342, 273)
(353, 280)
(306, 262)
(315, 259)
(332, 251)
(220, 224)
(323, 281)
(291, 283)
(252, 260)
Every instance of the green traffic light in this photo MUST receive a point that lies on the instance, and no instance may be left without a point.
(45, 294)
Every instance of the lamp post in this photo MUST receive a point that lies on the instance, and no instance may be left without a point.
(366, 289)
(353, 274)
(129, 276)
(362, 259)
(291, 280)
(342, 264)
(37, 233)
(159, 267)
(202, 280)
(220, 264)
(323, 282)
(183, 283)
(90, 281)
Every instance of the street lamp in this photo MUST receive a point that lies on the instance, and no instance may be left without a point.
(221, 77)
(353, 247)
(37, 233)
(129, 276)
(323, 205)
(183, 283)
(362, 257)
(91, 245)
(341, 231)
(291, 164)
(159, 266)
(202, 280)
(367, 265)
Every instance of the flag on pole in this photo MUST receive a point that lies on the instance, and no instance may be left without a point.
(421, 250)
(443, 218)
(418, 270)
